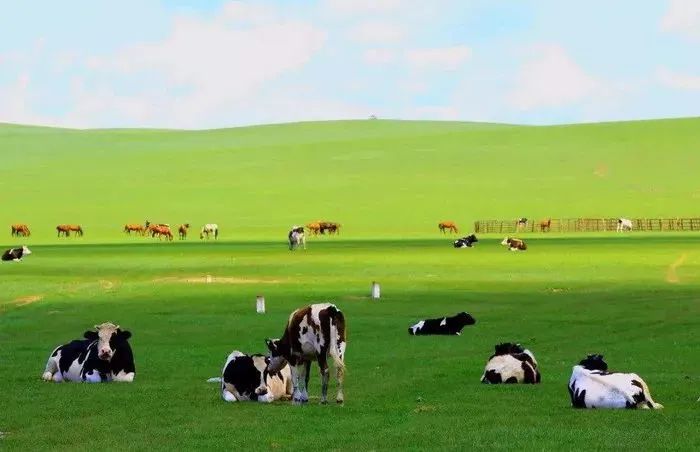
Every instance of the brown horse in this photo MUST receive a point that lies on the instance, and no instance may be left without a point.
(66, 229)
(332, 228)
(161, 231)
(182, 230)
(20, 230)
(314, 227)
(448, 226)
(137, 228)
(546, 225)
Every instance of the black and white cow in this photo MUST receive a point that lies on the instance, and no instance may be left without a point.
(15, 254)
(296, 237)
(466, 242)
(592, 386)
(104, 355)
(511, 363)
(445, 325)
(514, 244)
(247, 377)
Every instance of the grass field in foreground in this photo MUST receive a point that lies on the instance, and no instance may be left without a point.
(563, 298)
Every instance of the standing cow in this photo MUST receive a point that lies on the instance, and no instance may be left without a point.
(247, 377)
(296, 238)
(312, 333)
(511, 363)
(623, 225)
(104, 355)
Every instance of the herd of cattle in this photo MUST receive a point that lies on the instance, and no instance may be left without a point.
(318, 333)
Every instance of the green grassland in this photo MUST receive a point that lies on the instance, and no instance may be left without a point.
(632, 297)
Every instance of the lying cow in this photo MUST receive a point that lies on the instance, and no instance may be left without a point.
(312, 333)
(465, 242)
(446, 325)
(511, 363)
(15, 254)
(247, 377)
(592, 386)
(296, 238)
(104, 355)
(514, 244)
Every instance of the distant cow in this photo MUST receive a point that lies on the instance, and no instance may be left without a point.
(247, 377)
(105, 355)
(511, 363)
(466, 242)
(15, 254)
(514, 244)
(65, 229)
(623, 224)
(209, 229)
(448, 226)
(296, 237)
(312, 333)
(592, 386)
(444, 326)
(20, 230)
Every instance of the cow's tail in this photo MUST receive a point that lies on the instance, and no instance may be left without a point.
(214, 380)
(338, 343)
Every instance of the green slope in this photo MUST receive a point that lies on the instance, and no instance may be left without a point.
(377, 178)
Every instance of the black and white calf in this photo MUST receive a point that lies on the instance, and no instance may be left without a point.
(511, 363)
(296, 237)
(466, 242)
(247, 377)
(104, 355)
(15, 254)
(445, 325)
(592, 386)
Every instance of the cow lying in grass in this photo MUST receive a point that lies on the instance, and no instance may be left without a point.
(466, 242)
(15, 254)
(444, 326)
(592, 386)
(247, 377)
(511, 363)
(514, 244)
(104, 355)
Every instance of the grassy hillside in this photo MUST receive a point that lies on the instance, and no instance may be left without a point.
(377, 178)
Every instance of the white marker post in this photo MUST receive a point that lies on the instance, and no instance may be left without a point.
(209, 279)
(375, 290)
(260, 304)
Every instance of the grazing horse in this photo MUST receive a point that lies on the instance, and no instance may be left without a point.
(314, 227)
(20, 230)
(332, 228)
(546, 225)
(161, 231)
(137, 228)
(182, 231)
(449, 226)
(208, 229)
(65, 229)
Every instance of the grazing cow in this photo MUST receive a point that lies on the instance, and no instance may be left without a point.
(182, 231)
(592, 386)
(623, 224)
(247, 377)
(443, 326)
(546, 225)
(15, 254)
(466, 242)
(66, 229)
(514, 244)
(209, 229)
(511, 363)
(312, 333)
(448, 226)
(314, 228)
(20, 230)
(104, 355)
(296, 238)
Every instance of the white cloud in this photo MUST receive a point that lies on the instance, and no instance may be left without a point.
(377, 33)
(362, 6)
(552, 79)
(379, 56)
(678, 80)
(444, 58)
(683, 17)
(247, 12)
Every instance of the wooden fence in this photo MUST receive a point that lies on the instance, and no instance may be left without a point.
(586, 225)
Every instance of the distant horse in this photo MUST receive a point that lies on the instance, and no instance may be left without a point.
(66, 229)
(332, 228)
(314, 227)
(137, 228)
(20, 230)
(209, 229)
(161, 231)
(182, 231)
(449, 226)
(546, 225)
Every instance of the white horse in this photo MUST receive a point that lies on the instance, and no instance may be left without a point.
(623, 224)
(208, 229)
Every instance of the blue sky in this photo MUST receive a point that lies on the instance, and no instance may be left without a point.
(212, 63)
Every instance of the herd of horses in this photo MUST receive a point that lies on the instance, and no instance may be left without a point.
(162, 230)
(450, 226)
(321, 227)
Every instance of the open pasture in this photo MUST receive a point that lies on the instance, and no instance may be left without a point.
(633, 299)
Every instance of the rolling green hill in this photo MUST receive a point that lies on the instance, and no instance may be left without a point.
(377, 178)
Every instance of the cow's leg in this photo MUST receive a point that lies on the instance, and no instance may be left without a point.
(300, 395)
(51, 370)
(323, 367)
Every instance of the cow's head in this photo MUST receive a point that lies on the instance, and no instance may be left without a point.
(506, 241)
(108, 336)
(465, 319)
(25, 251)
(278, 353)
(594, 362)
(508, 348)
(472, 238)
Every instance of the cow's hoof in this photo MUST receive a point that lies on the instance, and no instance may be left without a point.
(299, 401)
(48, 376)
(324, 402)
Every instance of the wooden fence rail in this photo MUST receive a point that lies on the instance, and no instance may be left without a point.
(586, 225)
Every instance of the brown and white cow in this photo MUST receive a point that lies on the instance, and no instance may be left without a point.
(312, 333)
(514, 244)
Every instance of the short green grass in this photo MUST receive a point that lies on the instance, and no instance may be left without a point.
(563, 298)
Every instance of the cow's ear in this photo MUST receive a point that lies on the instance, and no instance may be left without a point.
(92, 335)
(124, 334)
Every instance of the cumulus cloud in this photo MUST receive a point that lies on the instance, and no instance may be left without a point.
(446, 58)
(683, 17)
(678, 80)
(377, 32)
